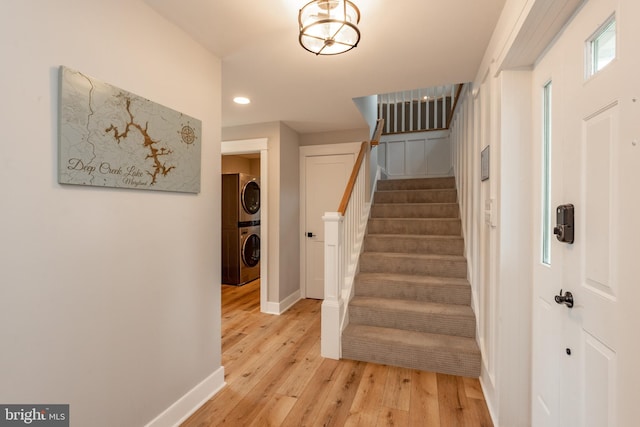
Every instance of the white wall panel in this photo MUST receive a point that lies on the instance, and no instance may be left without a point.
(416, 155)
(438, 156)
(395, 158)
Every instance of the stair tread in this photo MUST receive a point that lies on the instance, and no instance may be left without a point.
(415, 196)
(437, 289)
(399, 337)
(415, 255)
(391, 190)
(413, 278)
(420, 179)
(395, 204)
(415, 210)
(425, 307)
(415, 219)
(415, 183)
(414, 263)
(416, 236)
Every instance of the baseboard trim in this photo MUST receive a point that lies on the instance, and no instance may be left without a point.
(289, 301)
(488, 399)
(280, 307)
(272, 308)
(184, 407)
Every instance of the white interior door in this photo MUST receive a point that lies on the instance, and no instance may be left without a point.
(325, 181)
(577, 379)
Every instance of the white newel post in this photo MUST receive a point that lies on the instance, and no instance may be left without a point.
(332, 305)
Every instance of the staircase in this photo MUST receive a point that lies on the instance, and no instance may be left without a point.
(412, 303)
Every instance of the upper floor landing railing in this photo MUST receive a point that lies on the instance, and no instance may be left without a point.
(418, 110)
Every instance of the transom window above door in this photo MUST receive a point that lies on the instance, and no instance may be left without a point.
(601, 47)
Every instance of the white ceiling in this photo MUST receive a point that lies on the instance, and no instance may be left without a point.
(405, 44)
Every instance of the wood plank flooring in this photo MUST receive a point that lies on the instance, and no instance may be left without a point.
(276, 377)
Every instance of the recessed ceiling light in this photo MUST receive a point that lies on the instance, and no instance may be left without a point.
(241, 100)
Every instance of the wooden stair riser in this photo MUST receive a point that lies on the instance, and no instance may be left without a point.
(413, 244)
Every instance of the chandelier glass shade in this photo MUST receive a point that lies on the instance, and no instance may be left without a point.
(329, 27)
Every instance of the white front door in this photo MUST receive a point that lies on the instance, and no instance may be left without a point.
(325, 180)
(592, 161)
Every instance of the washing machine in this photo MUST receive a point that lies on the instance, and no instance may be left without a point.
(240, 228)
(240, 200)
(240, 255)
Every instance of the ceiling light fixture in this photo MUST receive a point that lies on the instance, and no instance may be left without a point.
(241, 100)
(329, 27)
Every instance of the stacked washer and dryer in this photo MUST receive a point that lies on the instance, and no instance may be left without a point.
(240, 228)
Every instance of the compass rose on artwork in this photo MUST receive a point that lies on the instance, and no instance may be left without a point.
(188, 134)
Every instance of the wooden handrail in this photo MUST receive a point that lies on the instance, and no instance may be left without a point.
(356, 167)
(455, 104)
(375, 140)
(352, 179)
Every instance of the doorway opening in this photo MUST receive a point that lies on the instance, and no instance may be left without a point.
(251, 156)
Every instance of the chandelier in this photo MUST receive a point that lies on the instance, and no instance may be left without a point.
(329, 27)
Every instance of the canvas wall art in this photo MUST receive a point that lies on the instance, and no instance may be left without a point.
(113, 138)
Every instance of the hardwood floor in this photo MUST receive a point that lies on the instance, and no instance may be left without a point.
(276, 377)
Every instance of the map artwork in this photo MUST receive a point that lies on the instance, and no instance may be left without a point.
(113, 138)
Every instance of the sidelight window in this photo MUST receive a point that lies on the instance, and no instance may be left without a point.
(546, 175)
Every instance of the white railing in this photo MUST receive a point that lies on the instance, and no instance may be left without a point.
(344, 233)
(419, 109)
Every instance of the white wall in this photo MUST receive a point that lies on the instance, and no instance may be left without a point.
(335, 137)
(289, 214)
(109, 298)
(515, 214)
(240, 164)
(368, 106)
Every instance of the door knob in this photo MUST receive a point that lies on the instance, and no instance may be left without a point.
(566, 299)
(310, 234)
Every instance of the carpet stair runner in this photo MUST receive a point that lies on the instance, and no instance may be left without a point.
(412, 303)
